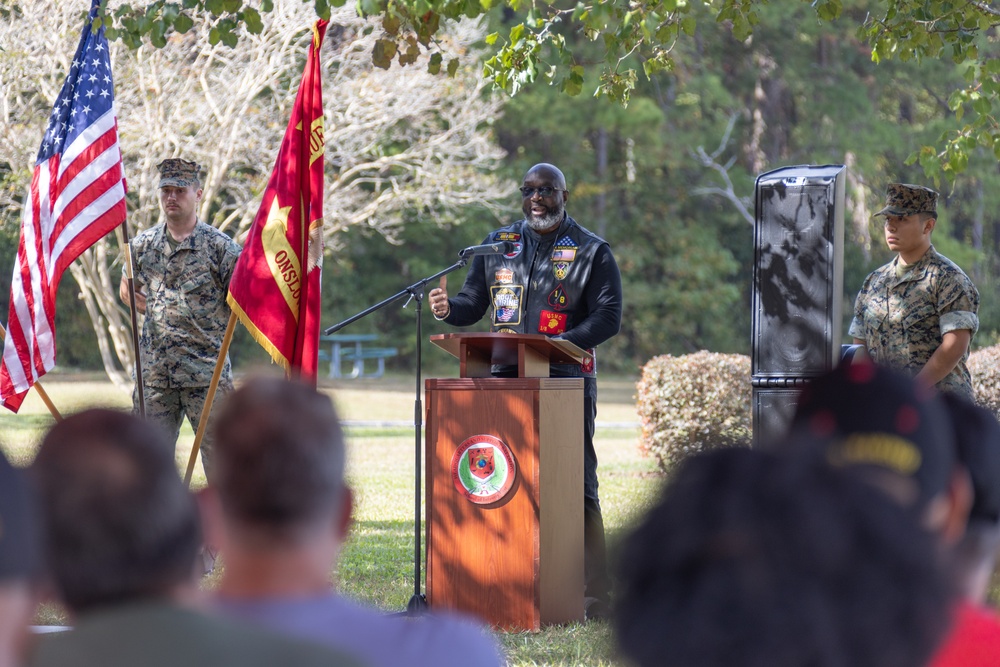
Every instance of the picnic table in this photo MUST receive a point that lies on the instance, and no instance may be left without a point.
(352, 348)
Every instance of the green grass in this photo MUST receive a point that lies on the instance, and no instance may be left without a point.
(377, 562)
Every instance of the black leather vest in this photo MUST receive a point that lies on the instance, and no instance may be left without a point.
(539, 288)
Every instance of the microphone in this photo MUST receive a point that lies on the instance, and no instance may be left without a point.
(498, 248)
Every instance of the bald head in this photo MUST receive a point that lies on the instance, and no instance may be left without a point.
(548, 172)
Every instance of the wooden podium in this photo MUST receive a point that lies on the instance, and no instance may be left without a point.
(505, 483)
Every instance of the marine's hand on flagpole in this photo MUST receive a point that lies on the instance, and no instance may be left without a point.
(140, 296)
(439, 299)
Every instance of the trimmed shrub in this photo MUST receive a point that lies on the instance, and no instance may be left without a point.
(984, 365)
(693, 403)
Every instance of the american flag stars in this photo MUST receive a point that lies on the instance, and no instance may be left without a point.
(89, 76)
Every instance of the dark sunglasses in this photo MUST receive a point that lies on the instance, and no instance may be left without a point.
(544, 191)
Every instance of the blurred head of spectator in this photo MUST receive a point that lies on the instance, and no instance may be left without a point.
(279, 479)
(977, 435)
(758, 559)
(120, 524)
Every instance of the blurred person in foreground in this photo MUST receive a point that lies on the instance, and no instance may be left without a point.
(757, 559)
(122, 532)
(20, 563)
(921, 447)
(279, 509)
(975, 639)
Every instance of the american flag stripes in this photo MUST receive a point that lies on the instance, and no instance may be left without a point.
(77, 196)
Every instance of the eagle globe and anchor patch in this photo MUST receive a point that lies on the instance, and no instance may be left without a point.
(483, 469)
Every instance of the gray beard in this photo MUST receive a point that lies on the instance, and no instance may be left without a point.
(541, 223)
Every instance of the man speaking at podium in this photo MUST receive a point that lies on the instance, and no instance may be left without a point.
(554, 278)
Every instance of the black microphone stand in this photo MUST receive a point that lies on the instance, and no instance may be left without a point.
(418, 602)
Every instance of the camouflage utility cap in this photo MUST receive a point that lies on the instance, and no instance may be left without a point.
(178, 173)
(903, 199)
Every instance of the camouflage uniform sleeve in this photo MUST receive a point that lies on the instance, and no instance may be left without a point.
(857, 328)
(230, 253)
(958, 304)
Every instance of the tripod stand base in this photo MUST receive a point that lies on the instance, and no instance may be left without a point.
(417, 605)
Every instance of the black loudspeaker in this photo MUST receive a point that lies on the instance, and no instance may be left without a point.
(797, 285)
(773, 410)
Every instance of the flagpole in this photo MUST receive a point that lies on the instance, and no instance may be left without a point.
(38, 387)
(227, 340)
(123, 241)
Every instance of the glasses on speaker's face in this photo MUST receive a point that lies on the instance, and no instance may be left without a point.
(544, 191)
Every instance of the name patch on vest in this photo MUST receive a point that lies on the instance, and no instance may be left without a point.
(507, 300)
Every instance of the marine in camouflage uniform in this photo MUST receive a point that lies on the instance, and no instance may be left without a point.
(185, 284)
(905, 308)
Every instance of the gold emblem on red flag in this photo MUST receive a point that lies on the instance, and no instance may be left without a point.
(281, 257)
(316, 140)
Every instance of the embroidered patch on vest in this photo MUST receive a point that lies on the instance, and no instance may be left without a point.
(563, 254)
(552, 323)
(558, 299)
(508, 236)
(560, 269)
(507, 300)
(518, 247)
(504, 276)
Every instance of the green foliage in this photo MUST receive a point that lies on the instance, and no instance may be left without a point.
(693, 403)
(809, 95)
(653, 36)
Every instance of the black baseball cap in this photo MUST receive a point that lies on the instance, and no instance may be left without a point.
(867, 415)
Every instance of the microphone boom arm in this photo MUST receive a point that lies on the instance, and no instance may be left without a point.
(412, 291)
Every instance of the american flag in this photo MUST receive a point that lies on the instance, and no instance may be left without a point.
(77, 196)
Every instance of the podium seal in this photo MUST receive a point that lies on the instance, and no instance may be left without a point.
(483, 469)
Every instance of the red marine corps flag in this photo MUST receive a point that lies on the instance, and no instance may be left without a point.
(275, 288)
(77, 196)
